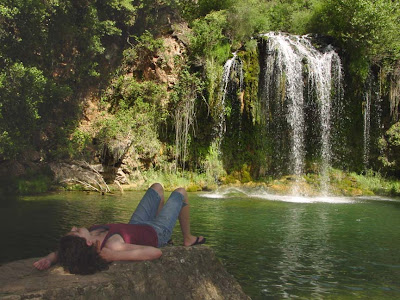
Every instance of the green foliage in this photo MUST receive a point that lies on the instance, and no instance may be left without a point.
(213, 76)
(242, 176)
(207, 6)
(246, 19)
(35, 185)
(212, 164)
(27, 101)
(252, 70)
(366, 29)
(189, 88)
(50, 34)
(375, 182)
(245, 174)
(125, 91)
(290, 15)
(191, 181)
(135, 126)
(197, 9)
(389, 146)
(207, 40)
(147, 42)
(120, 11)
(50, 52)
(79, 144)
(209, 47)
(22, 90)
(183, 102)
(140, 54)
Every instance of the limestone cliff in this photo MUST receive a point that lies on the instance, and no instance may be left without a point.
(181, 273)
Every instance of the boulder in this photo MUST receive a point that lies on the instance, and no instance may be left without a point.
(78, 172)
(180, 273)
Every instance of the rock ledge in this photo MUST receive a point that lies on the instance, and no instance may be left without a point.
(181, 273)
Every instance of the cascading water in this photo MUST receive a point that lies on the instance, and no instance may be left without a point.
(232, 69)
(288, 60)
(372, 118)
(321, 81)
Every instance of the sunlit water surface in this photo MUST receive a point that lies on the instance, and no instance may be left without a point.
(275, 246)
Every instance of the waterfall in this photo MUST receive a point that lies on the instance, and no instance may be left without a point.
(321, 81)
(372, 119)
(367, 126)
(232, 68)
(289, 60)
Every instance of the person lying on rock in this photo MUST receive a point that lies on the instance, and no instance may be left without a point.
(85, 251)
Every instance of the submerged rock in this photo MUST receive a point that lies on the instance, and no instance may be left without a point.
(180, 273)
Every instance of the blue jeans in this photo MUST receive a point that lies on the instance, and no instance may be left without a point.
(164, 222)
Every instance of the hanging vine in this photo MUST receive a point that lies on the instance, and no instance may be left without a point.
(185, 95)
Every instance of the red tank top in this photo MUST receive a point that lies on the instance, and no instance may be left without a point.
(131, 233)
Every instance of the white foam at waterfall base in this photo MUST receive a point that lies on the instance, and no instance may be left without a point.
(225, 193)
(262, 194)
(304, 199)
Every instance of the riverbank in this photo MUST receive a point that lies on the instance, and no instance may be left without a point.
(339, 183)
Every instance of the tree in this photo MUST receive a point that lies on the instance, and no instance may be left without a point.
(367, 30)
(22, 90)
(50, 51)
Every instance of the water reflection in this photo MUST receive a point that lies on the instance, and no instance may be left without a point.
(312, 249)
(275, 249)
(305, 260)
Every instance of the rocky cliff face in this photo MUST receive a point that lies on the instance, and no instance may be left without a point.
(181, 273)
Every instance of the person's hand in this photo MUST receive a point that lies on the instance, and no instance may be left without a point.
(42, 264)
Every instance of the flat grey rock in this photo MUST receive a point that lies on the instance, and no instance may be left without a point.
(180, 273)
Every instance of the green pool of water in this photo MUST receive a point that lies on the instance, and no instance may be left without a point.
(276, 247)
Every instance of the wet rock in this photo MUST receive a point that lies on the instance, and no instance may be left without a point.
(181, 273)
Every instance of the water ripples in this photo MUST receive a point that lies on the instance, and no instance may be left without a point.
(275, 249)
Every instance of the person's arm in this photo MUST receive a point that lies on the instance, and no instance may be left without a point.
(130, 252)
(46, 262)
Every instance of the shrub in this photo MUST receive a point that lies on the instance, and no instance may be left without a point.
(208, 40)
(389, 145)
(34, 185)
(22, 90)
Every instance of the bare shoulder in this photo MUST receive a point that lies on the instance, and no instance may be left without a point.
(115, 242)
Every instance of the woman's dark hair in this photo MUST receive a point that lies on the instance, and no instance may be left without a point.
(78, 258)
